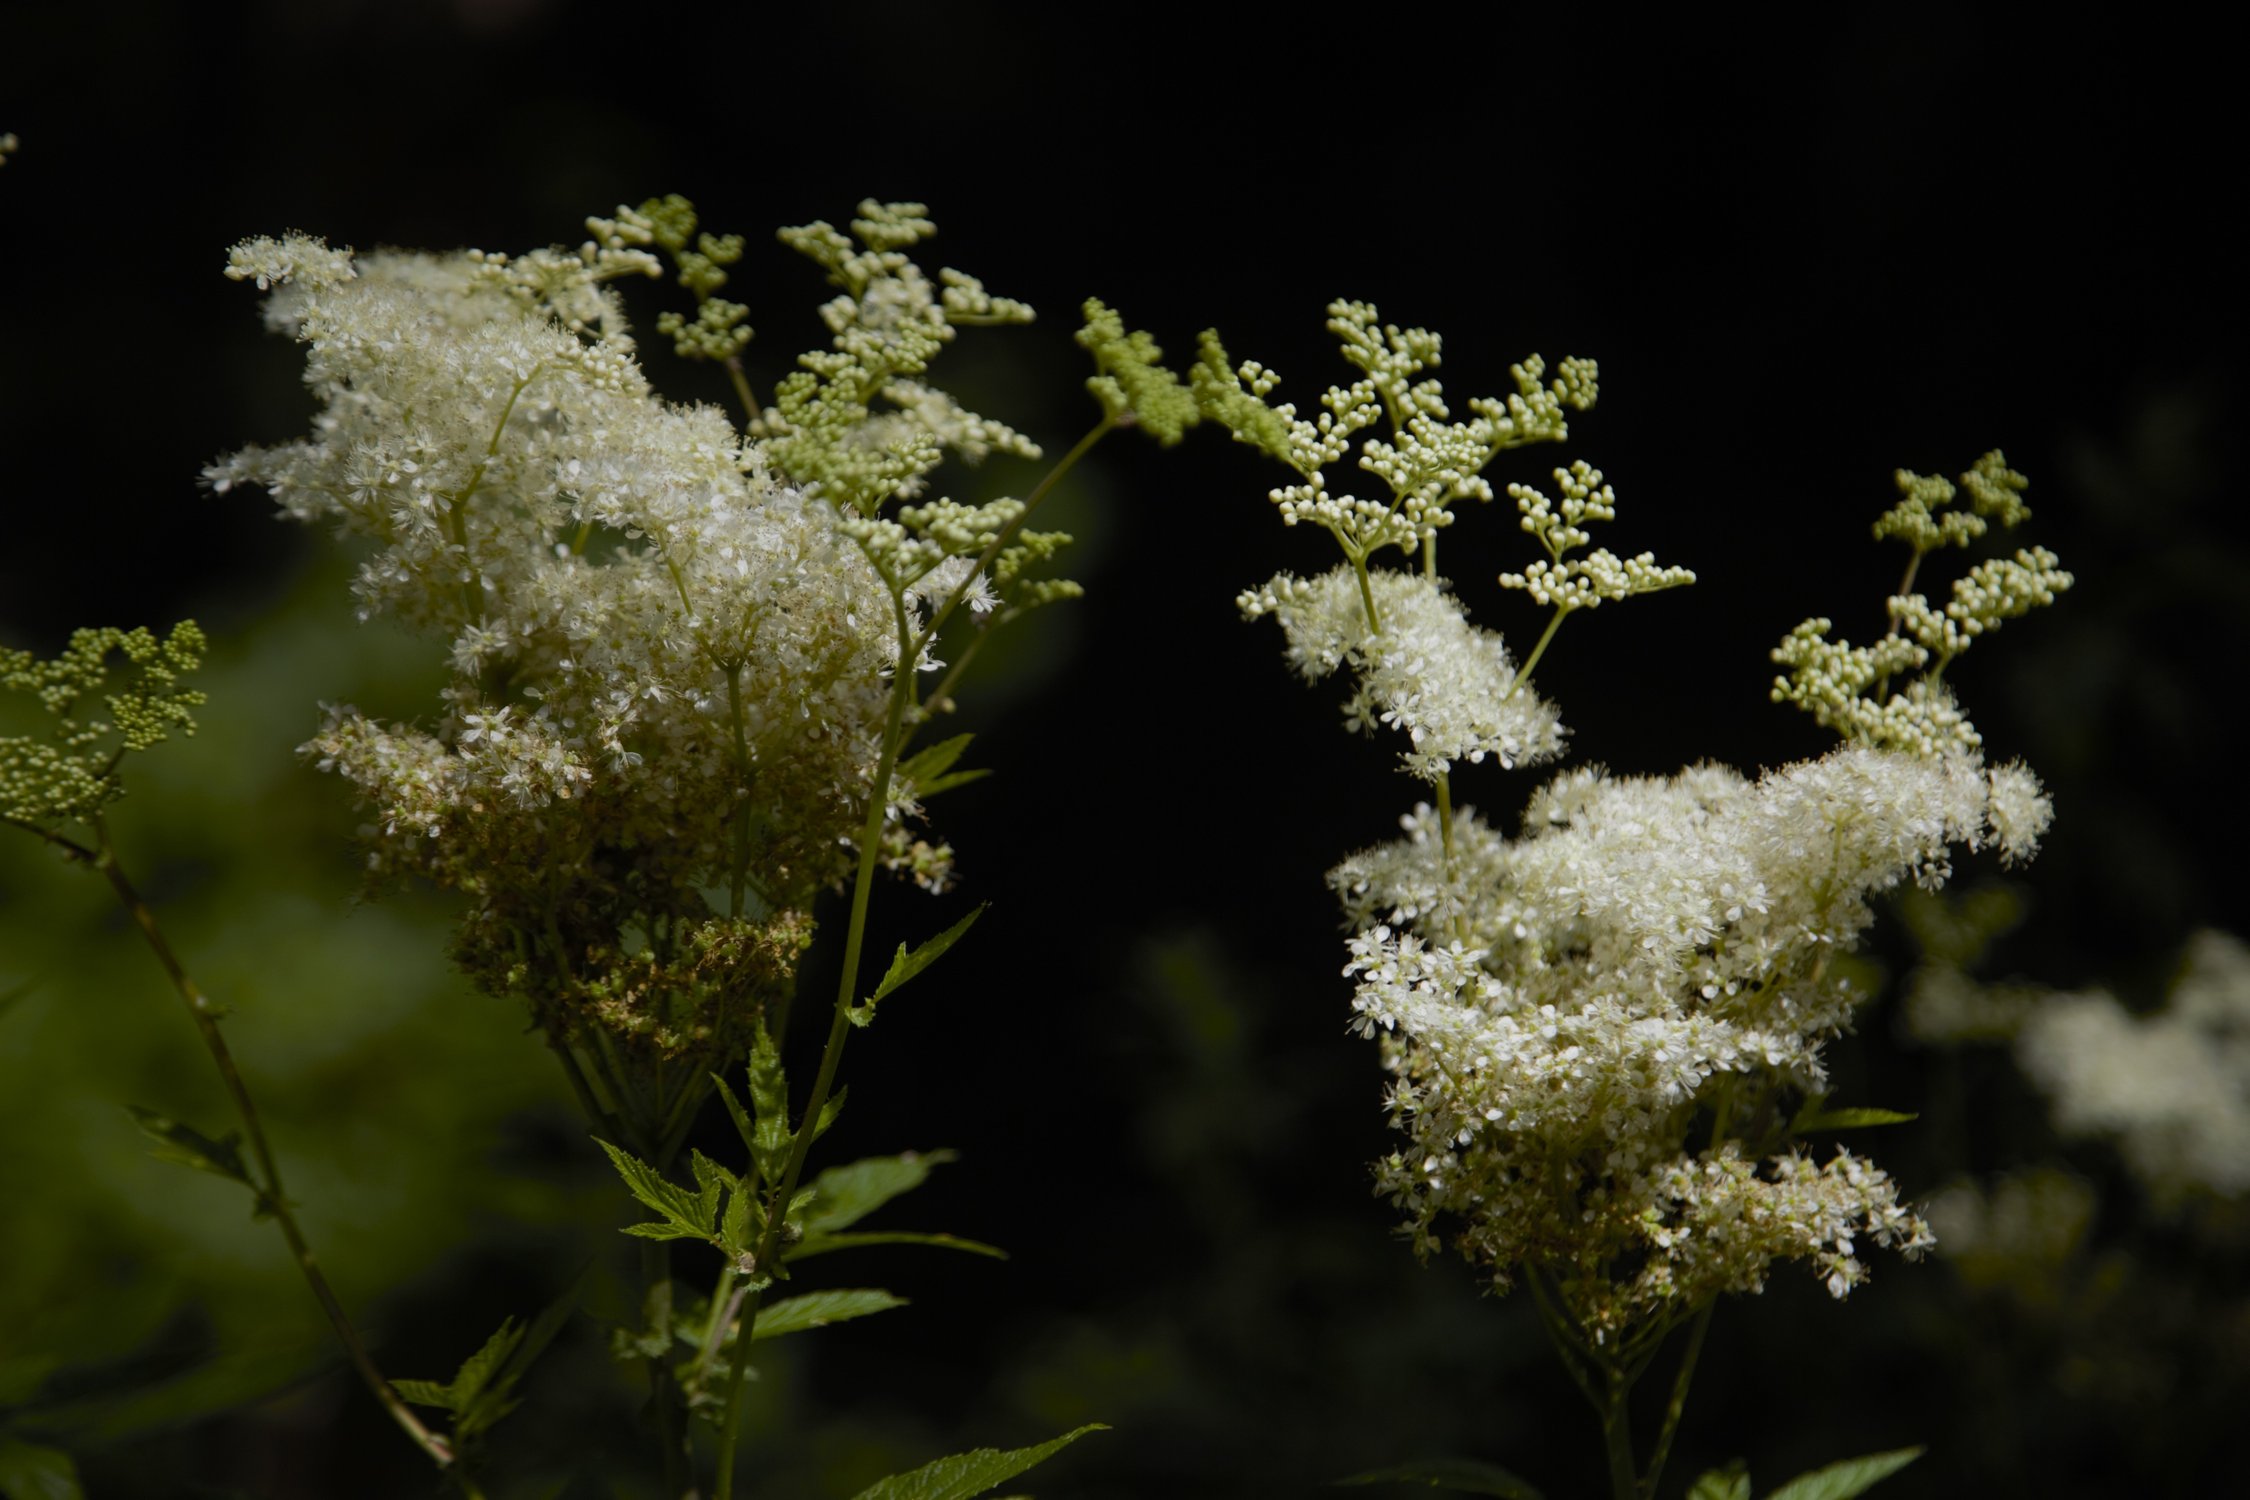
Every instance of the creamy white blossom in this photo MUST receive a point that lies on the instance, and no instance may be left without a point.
(1448, 685)
(672, 640)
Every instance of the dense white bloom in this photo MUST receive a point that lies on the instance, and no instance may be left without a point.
(670, 662)
(1449, 685)
(1554, 1007)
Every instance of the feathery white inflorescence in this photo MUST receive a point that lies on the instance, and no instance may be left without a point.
(1552, 1007)
(673, 642)
(1448, 685)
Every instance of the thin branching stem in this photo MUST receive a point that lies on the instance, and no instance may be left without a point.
(272, 1198)
(1678, 1403)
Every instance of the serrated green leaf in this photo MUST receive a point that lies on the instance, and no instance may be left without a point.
(932, 761)
(1729, 1483)
(426, 1393)
(819, 1309)
(736, 1113)
(712, 1182)
(969, 1474)
(738, 1226)
(769, 1106)
(905, 965)
(829, 1112)
(842, 1196)
(477, 1370)
(31, 1472)
(822, 1244)
(1464, 1475)
(679, 1207)
(1846, 1478)
(947, 783)
(1846, 1119)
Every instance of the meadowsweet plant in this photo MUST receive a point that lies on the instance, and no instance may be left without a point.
(693, 662)
(1605, 1030)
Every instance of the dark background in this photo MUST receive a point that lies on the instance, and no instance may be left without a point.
(1804, 258)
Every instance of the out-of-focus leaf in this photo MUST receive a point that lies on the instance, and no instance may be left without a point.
(189, 1147)
(31, 1472)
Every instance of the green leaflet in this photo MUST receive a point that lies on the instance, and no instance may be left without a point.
(906, 965)
(482, 1390)
(684, 1216)
(967, 1474)
(821, 1244)
(189, 1147)
(925, 771)
(819, 1309)
(842, 1196)
(1463, 1474)
(769, 1105)
(1847, 1477)
(736, 1113)
(1729, 1483)
(1837, 1481)
(1813, 1117)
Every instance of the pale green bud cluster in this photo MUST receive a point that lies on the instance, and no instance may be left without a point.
(8, 144)
(887, 325)
(1585, 582)
(71, 774)
(1848, 688)
(1428, 462)
(1130, 380)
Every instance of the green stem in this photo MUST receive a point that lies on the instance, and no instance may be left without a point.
(725, 1302)
(1523, 675)
(742, 391)
(271, 1196)
(663, 1393)
(1678, 1402)
(1617, 1436)
(1366, 592)
(731, 1409)
(738, 865)
(831, 1055)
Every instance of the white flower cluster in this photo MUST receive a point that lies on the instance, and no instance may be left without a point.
(1650, 957)
(670, 660)
(1447, 684)
(1554, 1008)
(2172, 1089)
